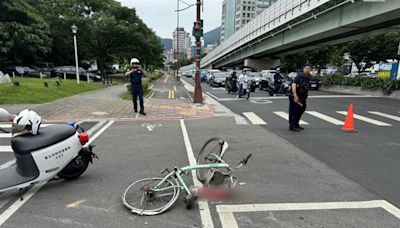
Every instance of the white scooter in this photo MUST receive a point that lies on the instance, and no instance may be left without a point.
(57, 150)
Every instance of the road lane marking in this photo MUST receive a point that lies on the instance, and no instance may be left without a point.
(7, 164)
(325, 117)
(397, 118)
(5, 135)
(166, 79)
(228, 220)
(173, 94)
(211, 95)
(19, 203)
(254, 119)
(366, 119)
(152, 94)
(5, 149)
(175, 88)
(285, 116)
(205, 214)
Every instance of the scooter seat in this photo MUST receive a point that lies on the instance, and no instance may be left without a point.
(24, 144)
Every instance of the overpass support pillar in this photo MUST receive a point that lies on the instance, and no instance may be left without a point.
(262, 64)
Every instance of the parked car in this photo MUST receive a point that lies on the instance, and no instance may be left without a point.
(70, 72)
(209, 74)
(29, 71)
(218, 79)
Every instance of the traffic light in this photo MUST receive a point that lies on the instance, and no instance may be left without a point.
(198, 28)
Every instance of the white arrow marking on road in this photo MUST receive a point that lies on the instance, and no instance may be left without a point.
(285, 116)
(254, 119)
(397, 118)
(150, 126)
(325, 117)
(5, 149)
(366, 119)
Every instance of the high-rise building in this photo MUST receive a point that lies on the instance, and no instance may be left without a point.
(228, 19)
(237, 13)
(181, 42)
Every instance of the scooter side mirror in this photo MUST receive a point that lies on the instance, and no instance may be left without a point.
(5, 116)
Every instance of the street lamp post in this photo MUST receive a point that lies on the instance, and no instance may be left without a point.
(74, 29)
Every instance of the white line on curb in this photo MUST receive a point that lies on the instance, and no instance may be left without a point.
(203, 205)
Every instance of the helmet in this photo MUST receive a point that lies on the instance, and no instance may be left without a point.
(27, 121)
(134, 60)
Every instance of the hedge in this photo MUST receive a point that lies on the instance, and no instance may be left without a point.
(385, 85)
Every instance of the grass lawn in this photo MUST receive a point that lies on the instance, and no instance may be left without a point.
(33, 91)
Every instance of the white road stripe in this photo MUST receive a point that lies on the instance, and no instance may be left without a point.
(175, 88)
(310, 206)
(285, 116)
(7, 164)
(325, 117)
(397, 118)
(18, 203)
(366, 119)
(5, 149)
(205, 214)
(254, 119)
(211, 95)
(5, 135)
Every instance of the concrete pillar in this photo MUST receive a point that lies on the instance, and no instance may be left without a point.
(262, 64)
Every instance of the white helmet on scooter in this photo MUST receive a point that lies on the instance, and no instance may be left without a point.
(27, 121)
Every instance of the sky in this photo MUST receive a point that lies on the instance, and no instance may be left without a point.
(161, 17)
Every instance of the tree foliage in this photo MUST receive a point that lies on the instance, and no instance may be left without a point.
(34, 30)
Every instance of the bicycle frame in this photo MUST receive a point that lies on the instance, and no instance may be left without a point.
(178, 172)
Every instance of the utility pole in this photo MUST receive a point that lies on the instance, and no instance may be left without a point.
(177, 38)
(198, 96)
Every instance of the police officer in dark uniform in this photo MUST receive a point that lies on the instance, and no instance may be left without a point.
(135, 76)
(298, 98)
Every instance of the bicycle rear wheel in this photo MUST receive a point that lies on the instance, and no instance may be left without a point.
(212, 146)
(144, 198)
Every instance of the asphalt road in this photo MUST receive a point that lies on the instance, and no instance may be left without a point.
(285, 184)
(370, 157)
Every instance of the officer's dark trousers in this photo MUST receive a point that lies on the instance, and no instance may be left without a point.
(137, 91)
(296, 111)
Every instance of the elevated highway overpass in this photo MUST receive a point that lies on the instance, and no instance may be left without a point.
(292, 26)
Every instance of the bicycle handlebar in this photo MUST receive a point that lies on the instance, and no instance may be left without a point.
(244, 161)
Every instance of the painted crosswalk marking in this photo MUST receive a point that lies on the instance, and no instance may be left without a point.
(397, 118)
(366, 119)
(254, 119)
(286, 117)
(5, 149)
(5, 135)
(325, 117)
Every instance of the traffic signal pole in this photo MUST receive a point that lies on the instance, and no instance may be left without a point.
(198, 96)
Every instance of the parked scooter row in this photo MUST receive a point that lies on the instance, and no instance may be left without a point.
(41, 154)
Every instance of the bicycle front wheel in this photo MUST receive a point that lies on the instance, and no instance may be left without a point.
(212, 146)
(143, 197)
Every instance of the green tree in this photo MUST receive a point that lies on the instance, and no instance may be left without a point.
(24, 34)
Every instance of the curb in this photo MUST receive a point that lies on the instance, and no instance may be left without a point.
(356, 90)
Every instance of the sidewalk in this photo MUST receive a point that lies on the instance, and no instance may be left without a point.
(107, 104)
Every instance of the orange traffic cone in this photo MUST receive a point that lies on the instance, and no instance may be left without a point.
(349, 123)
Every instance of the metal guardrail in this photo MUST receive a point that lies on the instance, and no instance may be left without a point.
(278, 14)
